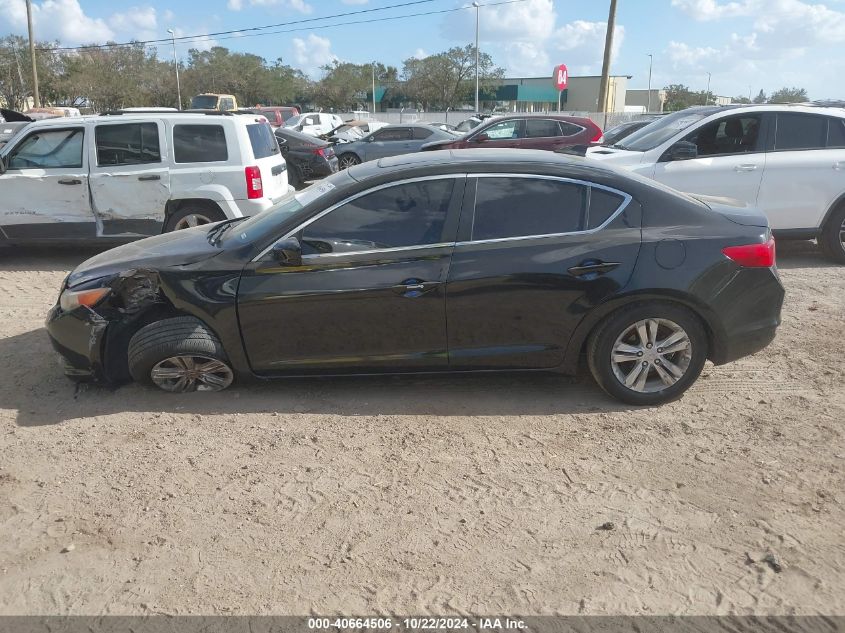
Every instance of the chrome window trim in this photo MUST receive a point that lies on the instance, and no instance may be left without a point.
(625, 202)
(351, 199)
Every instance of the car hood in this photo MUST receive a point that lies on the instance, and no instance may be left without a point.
(614, 156)
(168, 250)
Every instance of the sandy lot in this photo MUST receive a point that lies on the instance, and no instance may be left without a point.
(466, 494)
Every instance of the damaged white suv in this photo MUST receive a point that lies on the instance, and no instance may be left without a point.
(126, 175)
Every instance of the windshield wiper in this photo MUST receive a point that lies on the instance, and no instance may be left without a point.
(216, 232)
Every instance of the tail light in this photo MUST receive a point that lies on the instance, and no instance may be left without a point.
(598, 138)
(753, 255)
(254, 186)
(321, 152)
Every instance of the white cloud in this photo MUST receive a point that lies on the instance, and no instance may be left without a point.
(705, 10)
(312, 53)
(136, 23)
(296, 5)
(57, 19)
(419, 54)
(354, 1)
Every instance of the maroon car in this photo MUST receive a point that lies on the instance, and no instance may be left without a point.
(526, 131)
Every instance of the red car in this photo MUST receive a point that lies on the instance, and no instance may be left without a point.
(276, 115)
(526, 131)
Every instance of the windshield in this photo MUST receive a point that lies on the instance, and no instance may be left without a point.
(204, 102)
(662, 129)
(293, 121)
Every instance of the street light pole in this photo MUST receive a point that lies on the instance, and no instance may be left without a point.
(707, 92)
(176, 64)
(650, 62)
(374, 89)
(36, 99)
(605, 67)
(477, 10)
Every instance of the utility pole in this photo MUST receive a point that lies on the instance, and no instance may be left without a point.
(477, 10)
(176, 64)
(707, 92)
(608, 47)
(35, 96)
(374, 90)
(650, 62)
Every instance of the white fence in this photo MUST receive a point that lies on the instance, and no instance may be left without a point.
(604, 120)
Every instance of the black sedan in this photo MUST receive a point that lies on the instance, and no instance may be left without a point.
(531, 258)
(308, 157)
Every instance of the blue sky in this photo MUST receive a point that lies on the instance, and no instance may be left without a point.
(747, 45)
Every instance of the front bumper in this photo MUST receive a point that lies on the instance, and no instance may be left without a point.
(78, 336)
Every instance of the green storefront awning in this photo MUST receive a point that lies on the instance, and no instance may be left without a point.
(514, 92)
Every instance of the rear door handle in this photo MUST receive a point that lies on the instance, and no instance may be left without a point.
(592, 266)
(70, 181)
(150, 177)
(745, 167)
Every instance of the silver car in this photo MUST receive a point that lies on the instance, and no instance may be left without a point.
(391, 140)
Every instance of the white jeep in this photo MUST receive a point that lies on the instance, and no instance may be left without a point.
(124, 175)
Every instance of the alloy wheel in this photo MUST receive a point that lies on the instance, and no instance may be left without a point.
(651, 355)
(191, 220)
(348, 161)
(842, 235)
(180, 374)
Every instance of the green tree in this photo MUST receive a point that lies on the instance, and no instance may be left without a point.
(789, 95)
(16, 72)
(760, 98)
(446, 80)
(679, 97)
(740, 100)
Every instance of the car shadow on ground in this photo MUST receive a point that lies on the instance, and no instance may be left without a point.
(40, 394)
(802, 254)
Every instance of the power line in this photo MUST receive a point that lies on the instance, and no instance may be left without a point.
(246, 32)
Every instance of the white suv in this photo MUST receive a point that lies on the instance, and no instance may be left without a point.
(131, 174)
(787, 160)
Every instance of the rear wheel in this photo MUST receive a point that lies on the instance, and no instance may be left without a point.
(648, 353)
(191, 215)
(179, 355)
(832, 239)
(345, 161)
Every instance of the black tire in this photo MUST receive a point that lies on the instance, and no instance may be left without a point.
(603, 338)
(204, 213)
(831, 238)
(347, 160)
(175, 337)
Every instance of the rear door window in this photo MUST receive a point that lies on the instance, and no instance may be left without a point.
(262, 140)
(199, 144)
(570, 129)
(800, 131)
(507, 207)
(393, 134)
(541, 128)
(127, 144)
(421, 133)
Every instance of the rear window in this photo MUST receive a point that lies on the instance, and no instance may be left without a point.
(262, 140)
(800, 131)
(199, 144)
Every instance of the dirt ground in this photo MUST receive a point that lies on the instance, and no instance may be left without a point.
(462, 494)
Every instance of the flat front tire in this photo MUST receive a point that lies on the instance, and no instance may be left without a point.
(179, 355)
(648, 353)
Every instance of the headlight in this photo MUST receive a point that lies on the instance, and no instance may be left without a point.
(71, 300)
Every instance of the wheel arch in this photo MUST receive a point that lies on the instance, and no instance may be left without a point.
(834, 207)
(174, 206)
(578, 341)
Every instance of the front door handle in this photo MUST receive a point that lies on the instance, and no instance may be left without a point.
(150, 177)
(747, 167)
(595, 267)
(415, 287)
(70, 181)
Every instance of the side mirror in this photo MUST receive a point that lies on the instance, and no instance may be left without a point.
(480, 138)
(682, 150)
(288, 252)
